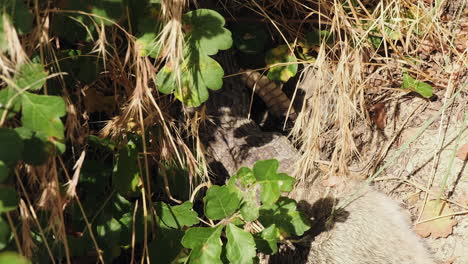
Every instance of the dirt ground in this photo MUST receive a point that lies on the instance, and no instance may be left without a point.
(434, 159)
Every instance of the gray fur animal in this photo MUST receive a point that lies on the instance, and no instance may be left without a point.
(373, 229)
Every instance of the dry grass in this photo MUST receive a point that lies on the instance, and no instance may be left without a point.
(418, 38)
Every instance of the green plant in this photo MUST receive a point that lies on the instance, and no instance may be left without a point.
(250, 196)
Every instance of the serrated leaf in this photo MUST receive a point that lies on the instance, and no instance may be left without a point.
(42, 113)
(240, 246)
(198, 74)
(9, 101)
(13, 258)
(37, 148)
(30, 76)
(205, 243)
(244, 183)
(176, 216)
(249, 38)
(126, 177)
(149, 28)
(285, 216)
(281, 54)
(4, 171)
(419, 87)
(271, 182)
(244, 178)
(11, 146)
(267, 241)
(8, 199)
(205, 30)
(250, 206)
(4, 233)
(220, 202)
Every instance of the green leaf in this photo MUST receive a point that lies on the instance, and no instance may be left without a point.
(42, 113)
(18, 13)
(9, 101)
(176, 216)
(414, 85)
(4, 171)
(249, 38)
(220, 202)
(166, 247)
(109, 236)
(205, 35)
(285, 216)
(241, 245)
(271, 182)
(281, 54)
(244, 181)
(4, 234)
(198, 74)
(8, 199)
(126, 177)
(267, 241)
(13, 258)
(37, 148)
(205, 243)
(11, 146)
(244, 178)
(205, 30)
(149, 28)
(109, 231)
(30, 76)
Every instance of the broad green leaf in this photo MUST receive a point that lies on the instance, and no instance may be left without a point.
(205, 243)
(37, 148)
(240, 246)
(30, 76)
(166, 247)
(11, 146)
(42, 113)
(9, 101)
(8, 199)
(267, 241)
(126, 177)
(198, 74)
(281, 54)
(250, 205)
(220, 202)
(285, 216)
(412, 84)
(176, 216)
(249, 38)
(4, 171)
(271, 182)
(109, 231)
(18, 13)
(244, 178)
(149, 29)
(107, 12)
(244, 182)
(13, 258)
(4, 234)
(205, 30)
(109, 236)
